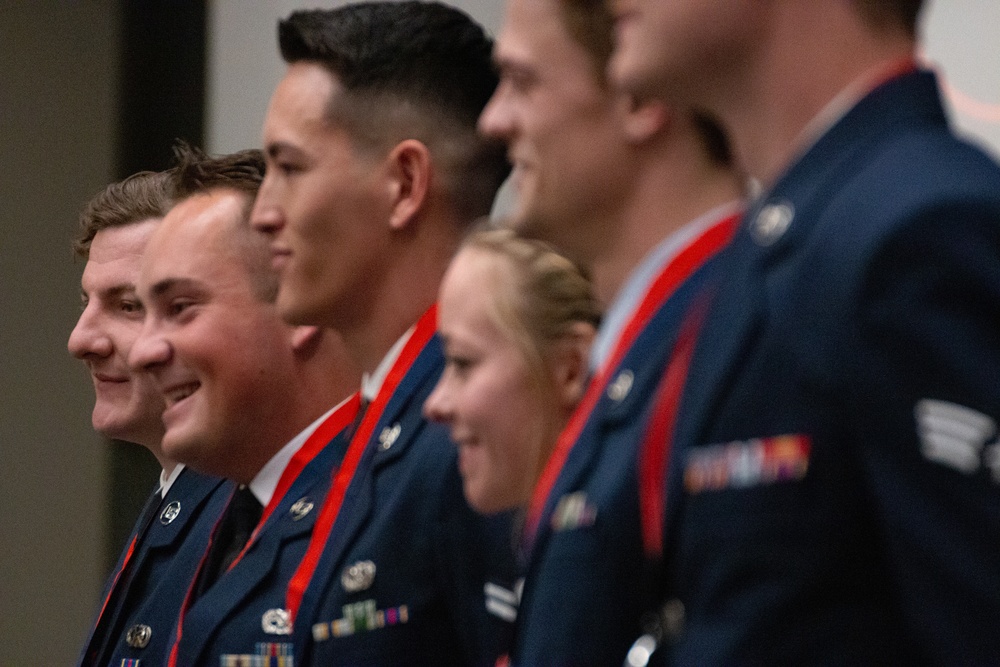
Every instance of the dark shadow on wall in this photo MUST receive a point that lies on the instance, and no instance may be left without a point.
(161, 99)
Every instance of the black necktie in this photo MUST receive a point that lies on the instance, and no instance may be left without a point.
(242, 515)
(352, 428)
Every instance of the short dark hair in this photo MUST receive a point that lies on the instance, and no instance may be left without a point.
(139, 197)
(883, 14)
(409, 70)
(197, 173)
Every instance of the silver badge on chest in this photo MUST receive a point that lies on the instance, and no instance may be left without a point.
(170, 512)
(358, 577)
(772, 222)
(621, 386)
(300, 508)
(388, 436)
(138, 636)
(276, 622)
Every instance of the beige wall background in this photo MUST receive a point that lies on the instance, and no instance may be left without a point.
(959, 38)
(245, 65)
(57, 115)
(57, 101)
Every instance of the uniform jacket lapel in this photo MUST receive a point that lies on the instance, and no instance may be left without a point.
(234, 587)
(183, 502)
(622, 403)
(400, 423)
(739, 300)
(158, 550)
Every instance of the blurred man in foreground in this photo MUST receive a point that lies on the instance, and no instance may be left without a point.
(834, 495)
(643, 195)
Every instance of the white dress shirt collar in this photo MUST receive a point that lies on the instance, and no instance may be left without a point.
(263, 485)
(371, 383)
(167, 481)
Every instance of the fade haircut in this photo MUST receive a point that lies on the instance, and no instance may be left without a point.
(888, 14)
(197, 173)
(142, 196)
(590, 24)
(408, 70)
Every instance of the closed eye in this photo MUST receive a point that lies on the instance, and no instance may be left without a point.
(458, 364)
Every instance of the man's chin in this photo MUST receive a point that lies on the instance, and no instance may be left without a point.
(111, 425)
(553, 230)
(182, 448)
(292, 310)
(522, 220)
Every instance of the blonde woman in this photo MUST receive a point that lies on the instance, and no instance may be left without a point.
(517, 320)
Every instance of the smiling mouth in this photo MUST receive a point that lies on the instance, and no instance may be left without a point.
(114, 379)
(178, 394)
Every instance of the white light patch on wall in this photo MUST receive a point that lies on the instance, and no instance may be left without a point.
(960, 39)
(244, 65)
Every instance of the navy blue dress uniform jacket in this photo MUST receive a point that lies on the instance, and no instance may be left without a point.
(588, 583)
(171, 535)
(401, 580)
(837, 495)
(241, 618)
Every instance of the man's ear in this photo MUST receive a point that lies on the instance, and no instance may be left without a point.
(571, 365)
(409, 170)
(642, 119)
(306, 338)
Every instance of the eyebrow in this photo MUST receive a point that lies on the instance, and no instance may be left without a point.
(167, 284)
(109, 292)
(275, 148)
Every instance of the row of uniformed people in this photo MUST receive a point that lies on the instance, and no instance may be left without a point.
(342, 535)
(363, 550)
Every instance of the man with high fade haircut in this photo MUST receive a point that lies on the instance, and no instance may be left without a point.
(248, 397)
(374, 173)
(172, 529)
(643, 195)
(835, 490)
